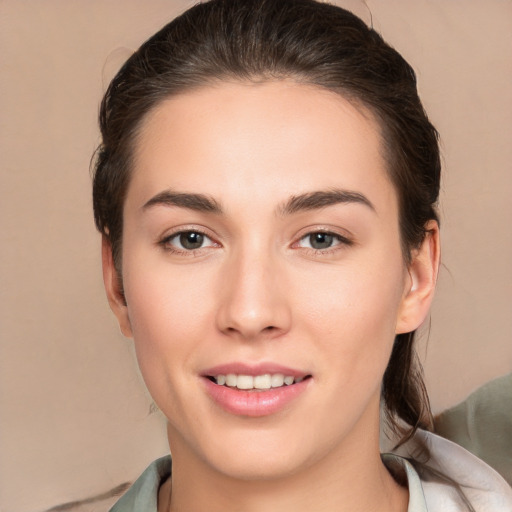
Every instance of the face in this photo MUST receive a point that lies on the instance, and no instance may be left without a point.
(263, 275)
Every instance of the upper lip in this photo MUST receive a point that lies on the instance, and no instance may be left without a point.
(240, 368)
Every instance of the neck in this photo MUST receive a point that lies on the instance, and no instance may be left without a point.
(350, 478)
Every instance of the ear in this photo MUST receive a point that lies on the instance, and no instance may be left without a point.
(421, 281)
(114, 289)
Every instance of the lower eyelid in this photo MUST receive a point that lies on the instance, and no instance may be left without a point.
(340, 239)
(166, 241)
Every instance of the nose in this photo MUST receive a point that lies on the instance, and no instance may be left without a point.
(254, 303)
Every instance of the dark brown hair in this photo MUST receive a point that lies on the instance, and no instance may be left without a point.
(309, 42)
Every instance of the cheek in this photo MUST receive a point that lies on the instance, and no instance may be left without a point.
(164, 307)
(351, 314)
(170, 314)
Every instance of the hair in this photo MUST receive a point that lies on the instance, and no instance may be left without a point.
(311, 43)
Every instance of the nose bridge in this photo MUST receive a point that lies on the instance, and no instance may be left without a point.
(253, 301)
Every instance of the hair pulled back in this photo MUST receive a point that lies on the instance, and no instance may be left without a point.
(309, 42)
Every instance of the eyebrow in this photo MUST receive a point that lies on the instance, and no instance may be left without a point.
(303, 202)
(197, 202)
(321, 199)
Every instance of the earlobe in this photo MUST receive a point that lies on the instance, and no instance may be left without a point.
(421, 282)
(114, 289)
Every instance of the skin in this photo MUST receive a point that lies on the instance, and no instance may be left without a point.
(256, 291)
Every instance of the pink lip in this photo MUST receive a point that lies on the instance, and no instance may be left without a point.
(253, 369)
(254, 403)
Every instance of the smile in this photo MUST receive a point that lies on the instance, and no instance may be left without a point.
(255, 390)
(256, 382)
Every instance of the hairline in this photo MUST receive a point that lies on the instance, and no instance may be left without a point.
(369, 111)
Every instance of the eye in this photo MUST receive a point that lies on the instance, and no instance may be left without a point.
(188, 241)
(321, 240)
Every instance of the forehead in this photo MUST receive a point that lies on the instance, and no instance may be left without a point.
(228, 138)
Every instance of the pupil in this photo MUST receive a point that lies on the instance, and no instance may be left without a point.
(320, 240)
(191, 240)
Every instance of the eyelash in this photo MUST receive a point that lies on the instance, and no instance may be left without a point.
(341, 242)
(166, 242)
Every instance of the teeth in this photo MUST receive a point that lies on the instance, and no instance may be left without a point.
(231, 380)
(288, 380)
(263, 381)
(277, 380)
(266, 381)
(245, 382)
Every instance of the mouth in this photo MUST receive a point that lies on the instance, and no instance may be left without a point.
(255, 390)
(263, 382)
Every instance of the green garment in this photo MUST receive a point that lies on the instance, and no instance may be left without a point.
(445, 482)
(143, 495)
(483, 424)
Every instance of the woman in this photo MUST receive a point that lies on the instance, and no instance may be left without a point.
(266, 188)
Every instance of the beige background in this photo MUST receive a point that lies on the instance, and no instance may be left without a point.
(75, 419)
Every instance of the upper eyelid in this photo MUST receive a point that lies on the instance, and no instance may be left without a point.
(166, 240)
(186, 229)
(343, 236)
(178, 233)
(343, 240)
(329, 230)
(324, 231)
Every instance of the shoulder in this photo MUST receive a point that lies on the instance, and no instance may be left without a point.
(453, 479)
(143, 494)
(483, 424)
(450, 480)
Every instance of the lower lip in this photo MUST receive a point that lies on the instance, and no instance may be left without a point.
(254, 403)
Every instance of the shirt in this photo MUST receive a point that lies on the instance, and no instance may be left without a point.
(448, 481)
(483, 424)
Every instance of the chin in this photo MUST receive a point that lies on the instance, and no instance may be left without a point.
(251, 450)
(259, 465)
(270, 454)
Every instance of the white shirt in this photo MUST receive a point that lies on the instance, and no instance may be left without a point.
(451, 480)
